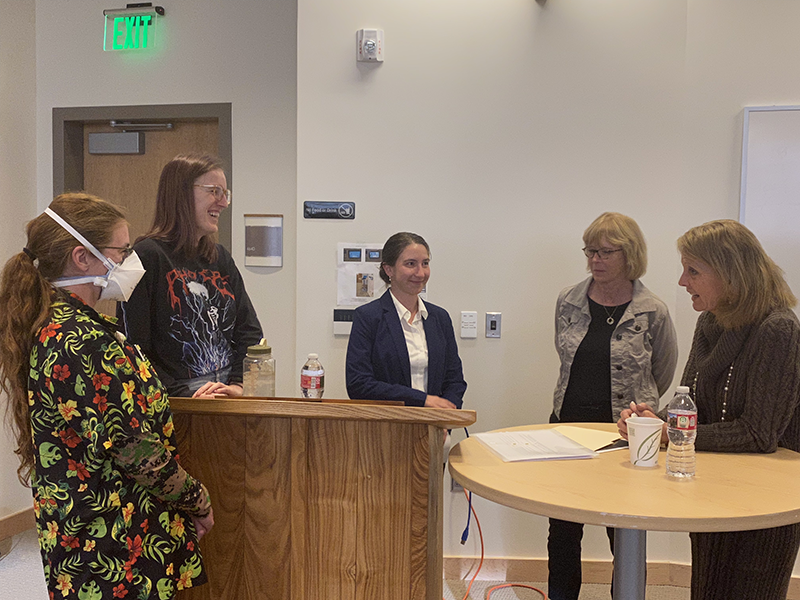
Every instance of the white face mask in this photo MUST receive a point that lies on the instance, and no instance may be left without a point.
(120, 281)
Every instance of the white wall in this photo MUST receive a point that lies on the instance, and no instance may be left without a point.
(17, 185)
(499, 131)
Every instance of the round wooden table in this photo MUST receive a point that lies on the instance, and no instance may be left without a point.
(731, 492)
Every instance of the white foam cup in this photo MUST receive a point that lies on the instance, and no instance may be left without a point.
(644, 440)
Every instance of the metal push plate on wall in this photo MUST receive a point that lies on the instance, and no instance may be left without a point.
(127, 142)
(329, 210)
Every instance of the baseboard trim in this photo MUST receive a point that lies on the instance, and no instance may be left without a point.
(594, 571)
(16, 523)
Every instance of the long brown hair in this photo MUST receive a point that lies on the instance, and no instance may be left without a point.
(753, 285)
(175, 221)
(26, 296)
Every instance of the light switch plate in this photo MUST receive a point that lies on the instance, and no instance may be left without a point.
(493, 324)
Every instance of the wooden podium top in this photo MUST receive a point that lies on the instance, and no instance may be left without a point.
(352, 410)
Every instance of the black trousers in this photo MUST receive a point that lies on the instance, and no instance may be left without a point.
(564, 559)
(564, 573)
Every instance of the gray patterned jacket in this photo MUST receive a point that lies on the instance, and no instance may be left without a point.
(644, 347)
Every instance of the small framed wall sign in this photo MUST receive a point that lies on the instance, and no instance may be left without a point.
(263, 240)
(313, 209)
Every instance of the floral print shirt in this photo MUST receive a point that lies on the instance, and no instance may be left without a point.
(113, 506)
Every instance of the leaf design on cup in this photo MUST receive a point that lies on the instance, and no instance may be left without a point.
(648, 448)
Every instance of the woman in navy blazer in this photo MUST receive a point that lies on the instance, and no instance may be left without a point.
(378, 359)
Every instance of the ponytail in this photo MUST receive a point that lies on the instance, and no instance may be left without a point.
(25, 298)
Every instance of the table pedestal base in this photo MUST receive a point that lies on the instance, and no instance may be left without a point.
(630, 564)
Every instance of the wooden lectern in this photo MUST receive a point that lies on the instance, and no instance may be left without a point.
(318, 500)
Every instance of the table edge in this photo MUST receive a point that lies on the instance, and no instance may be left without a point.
(623, 521)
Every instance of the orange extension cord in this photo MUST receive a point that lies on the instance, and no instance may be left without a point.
(480, 565)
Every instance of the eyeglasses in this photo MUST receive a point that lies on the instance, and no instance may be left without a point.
(603, 253)
(218, 191)
(126, 250)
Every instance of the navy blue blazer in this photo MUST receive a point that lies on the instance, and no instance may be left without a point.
(378, 366)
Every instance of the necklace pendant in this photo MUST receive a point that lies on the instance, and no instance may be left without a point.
(610, 320)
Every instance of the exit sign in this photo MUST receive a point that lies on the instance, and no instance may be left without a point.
(126, 29)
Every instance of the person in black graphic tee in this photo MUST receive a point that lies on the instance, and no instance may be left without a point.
(190, 312)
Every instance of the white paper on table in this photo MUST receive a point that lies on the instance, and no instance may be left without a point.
(591, 438)
(538, 444)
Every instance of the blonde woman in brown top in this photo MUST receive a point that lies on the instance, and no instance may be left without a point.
(744, 373)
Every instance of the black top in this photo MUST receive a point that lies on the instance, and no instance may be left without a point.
(587, 398)
(189, 316)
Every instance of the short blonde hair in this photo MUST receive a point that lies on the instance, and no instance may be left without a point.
(624, 232)
(753, 285)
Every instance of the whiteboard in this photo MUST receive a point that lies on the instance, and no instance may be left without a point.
(770, 190)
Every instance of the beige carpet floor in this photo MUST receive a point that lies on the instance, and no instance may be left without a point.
(21, 579)
(455, 590)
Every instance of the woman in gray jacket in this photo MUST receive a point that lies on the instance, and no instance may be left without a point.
(617, 345)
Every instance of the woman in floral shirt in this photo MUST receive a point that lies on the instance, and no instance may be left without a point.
(117, 515)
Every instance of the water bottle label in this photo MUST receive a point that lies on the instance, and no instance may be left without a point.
(682, 421)
(312, 382)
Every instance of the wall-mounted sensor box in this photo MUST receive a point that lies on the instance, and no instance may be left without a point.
(469, 324)
(493, 324)
(342, 321)
(369, 45)
(352, 255)
(373, 254)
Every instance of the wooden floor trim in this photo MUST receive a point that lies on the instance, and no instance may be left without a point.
(16, 523)
(594, 571)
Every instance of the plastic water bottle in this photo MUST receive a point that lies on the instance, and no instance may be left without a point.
(682, 429)
(312, 378)
(259, 371)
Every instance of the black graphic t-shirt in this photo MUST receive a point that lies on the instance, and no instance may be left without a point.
(189, 316)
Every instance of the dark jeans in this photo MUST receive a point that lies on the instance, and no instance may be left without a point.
(564, 559)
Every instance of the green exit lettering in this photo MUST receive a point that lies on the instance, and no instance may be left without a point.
(130, 32)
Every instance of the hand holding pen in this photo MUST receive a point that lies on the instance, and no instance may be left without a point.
(639, 410)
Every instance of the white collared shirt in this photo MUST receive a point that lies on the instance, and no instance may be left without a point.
(416, 342)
